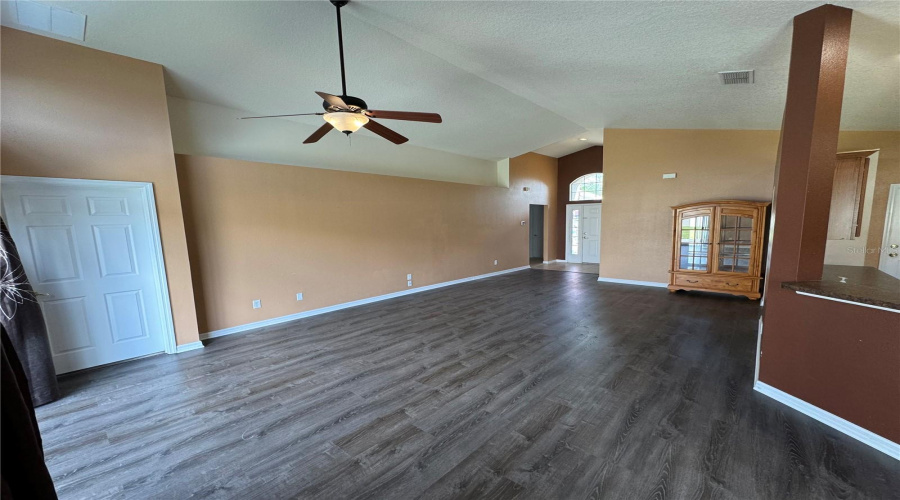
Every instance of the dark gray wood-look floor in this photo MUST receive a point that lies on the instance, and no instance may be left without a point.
(533, 385)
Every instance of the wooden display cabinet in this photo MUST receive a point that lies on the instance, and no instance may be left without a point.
(717, 246)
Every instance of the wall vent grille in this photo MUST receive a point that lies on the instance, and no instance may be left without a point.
(736, 77)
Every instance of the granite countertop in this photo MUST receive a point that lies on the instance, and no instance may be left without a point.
(865, 285)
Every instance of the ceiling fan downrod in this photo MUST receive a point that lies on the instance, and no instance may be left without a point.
(337, 5)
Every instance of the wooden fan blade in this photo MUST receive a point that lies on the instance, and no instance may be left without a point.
(279, 116)
(385, 132)
(318, 134)
(405, 115)
(333, 100)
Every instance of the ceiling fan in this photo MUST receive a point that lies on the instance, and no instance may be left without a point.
(347, 113)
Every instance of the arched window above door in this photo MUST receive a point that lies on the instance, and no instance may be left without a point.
(587, 188)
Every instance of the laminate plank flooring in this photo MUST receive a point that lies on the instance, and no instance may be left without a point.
(528, 385)
(567, 267)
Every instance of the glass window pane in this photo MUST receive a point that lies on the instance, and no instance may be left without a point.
(694, 247)
(576, 233)
(586, 188)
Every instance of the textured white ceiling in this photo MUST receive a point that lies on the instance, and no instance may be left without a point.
(508, 77)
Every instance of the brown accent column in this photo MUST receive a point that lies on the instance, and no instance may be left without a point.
(809, 137)
(839, 357)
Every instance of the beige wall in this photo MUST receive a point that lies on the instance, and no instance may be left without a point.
(266, 231)
(69, 111)
(637, 218)
(711, 164)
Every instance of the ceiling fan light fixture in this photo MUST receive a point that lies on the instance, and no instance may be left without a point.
(346, 122)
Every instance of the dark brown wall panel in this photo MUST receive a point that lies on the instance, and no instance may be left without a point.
(571, 167)
(839, 357)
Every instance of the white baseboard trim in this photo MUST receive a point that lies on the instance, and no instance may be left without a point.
(837, 423)
(633, 282)
(337, 307)
(188, 347)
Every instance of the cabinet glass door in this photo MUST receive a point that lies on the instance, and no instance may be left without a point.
(693, 254)
(735, 241)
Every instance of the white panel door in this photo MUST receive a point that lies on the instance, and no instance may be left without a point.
(889, 261)
(590, 234)
(87, 248)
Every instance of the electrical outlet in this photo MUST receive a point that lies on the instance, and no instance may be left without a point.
(408, 282)
(300, 296)
(495, 262)
(670, 176)
(257, 304)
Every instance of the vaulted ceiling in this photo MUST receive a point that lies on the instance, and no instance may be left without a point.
(508, 77)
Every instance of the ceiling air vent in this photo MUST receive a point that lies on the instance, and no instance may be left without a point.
(41, 17)
(736, 77)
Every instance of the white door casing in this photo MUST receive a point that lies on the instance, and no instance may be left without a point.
(92, 250)
(889, 261)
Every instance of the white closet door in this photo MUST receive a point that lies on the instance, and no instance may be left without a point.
(88, 251)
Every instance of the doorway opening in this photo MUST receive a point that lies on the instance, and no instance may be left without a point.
(536, 234)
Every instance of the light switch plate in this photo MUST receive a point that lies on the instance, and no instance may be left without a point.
(300, 296)
(409, 276)
(409, 283)
(257, 304)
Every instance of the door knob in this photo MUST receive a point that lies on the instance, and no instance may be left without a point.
(892, 254)
(895, 245)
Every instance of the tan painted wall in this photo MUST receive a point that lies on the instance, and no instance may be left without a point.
(711, 164)
(637, 217)
(74, 112)
(265, 231)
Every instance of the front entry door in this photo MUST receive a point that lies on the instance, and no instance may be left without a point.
(583, 233)
(89, 250)
(590, 236)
